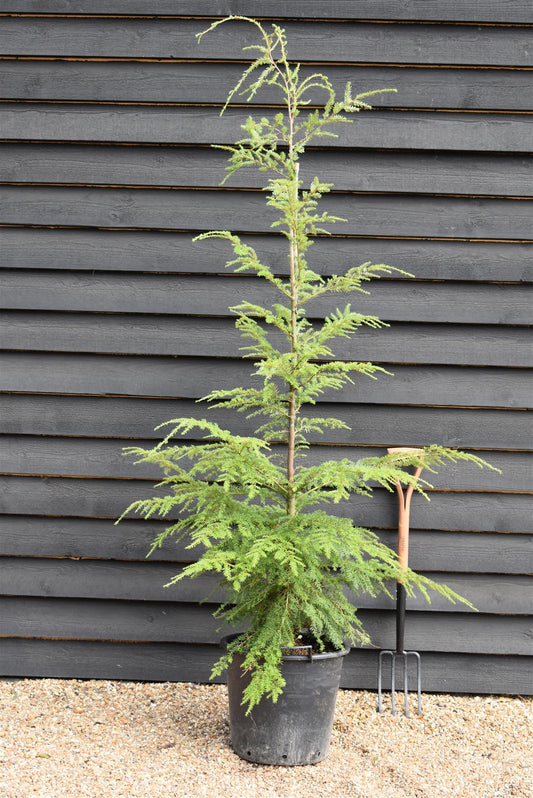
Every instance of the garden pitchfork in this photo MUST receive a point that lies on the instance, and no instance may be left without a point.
(403, 557)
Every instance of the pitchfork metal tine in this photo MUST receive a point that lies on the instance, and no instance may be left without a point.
(418, 681)
(405, 655)
(393, 684)
(380, 663)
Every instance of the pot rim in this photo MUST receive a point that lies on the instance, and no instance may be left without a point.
(311, 657)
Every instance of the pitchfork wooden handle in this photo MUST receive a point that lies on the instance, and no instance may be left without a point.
(404, 500)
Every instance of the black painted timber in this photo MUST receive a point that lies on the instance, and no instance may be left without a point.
(168, 209)
(87, 457)
(87, 619)
(353, 170)
(104, 498)
(97, 417)
(190, 336)
(115, 321)
(74, 537)
(142, 124)
(151, 251)
(455, 673)
(161, 82)
(445, 11)
(332, 41)
(389, 299)
(183, 377)
(67, 578)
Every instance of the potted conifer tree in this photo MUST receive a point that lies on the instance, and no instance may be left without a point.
(256, 511)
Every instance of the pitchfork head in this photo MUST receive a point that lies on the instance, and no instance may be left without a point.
(404, 657)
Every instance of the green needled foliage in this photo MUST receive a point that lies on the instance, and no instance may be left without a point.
(256, 516)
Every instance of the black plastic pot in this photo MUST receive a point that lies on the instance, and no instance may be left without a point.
(296, 730)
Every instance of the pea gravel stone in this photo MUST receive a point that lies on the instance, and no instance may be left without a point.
(109, 739)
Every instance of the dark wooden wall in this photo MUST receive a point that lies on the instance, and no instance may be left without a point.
(115, 321)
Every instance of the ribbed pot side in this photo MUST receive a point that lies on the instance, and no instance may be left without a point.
(296, 730)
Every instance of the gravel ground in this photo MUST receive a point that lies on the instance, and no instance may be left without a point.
(69, 738)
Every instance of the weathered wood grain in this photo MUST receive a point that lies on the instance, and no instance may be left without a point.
(389, 299)
(146, 621)
(133, 251)
(452, 673)
(128, 334)
(89, 660)
(141, 621)
(386, 425)
(93, 579)
(186, 83)
(185, 378)
(460, 552)
(328, 42)
(182, 662)
(367, 215)
(82, 457)
(104, 498)
(411, 130)
(447, 10)
(353, 170)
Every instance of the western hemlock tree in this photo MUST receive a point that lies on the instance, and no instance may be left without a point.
(255, 511)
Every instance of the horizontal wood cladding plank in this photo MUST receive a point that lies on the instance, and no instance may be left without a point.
(92, 579)
(73, 457)
(34, 536)
(100, 660)
(125, 250)
(186, 83)
(76, 619)
(175, 662)
(368, 215)
(445, 11)
(186, 378)
(105, 498)
(390, 300)
(354, 170)
(411, 130)
(448, 673)
(87, 619)
(482, 345)
(387, 425)
(325, 41)
(469, 634)
(107, 417)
